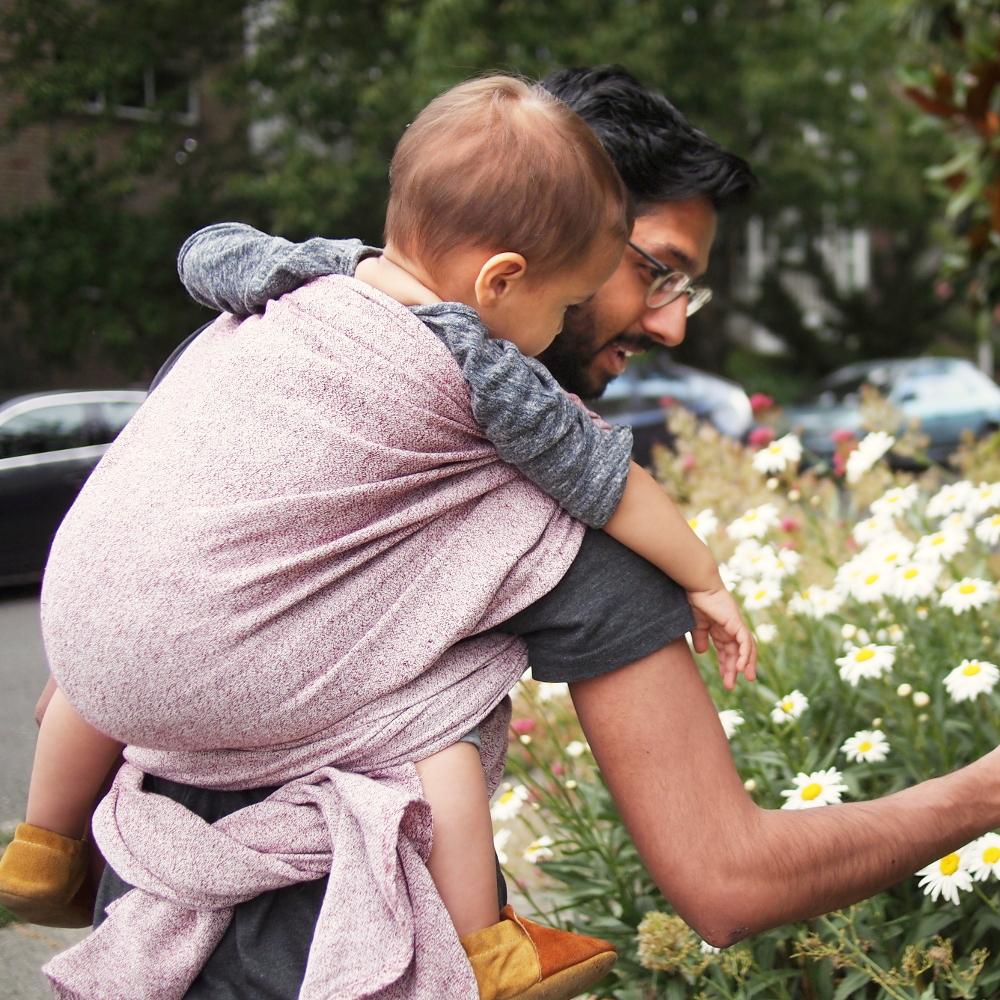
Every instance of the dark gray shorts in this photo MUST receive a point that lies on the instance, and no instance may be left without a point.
(610, 609)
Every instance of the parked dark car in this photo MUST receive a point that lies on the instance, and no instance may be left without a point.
(947, 395)
(49, 444)
(640, 398)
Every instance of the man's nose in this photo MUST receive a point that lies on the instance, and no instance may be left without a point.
(666, 324)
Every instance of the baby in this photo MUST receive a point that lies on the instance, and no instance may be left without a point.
(501, 200)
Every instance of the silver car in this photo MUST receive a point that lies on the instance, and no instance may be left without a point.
(948, 396)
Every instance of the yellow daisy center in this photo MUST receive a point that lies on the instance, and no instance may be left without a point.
(693, 523)
(774, 448)
(937, 540)
(864, 746)
(991, 855)
(871, 578)
(972, 669)
(949, 864)
(506, 797)
(750, 515)
(892, 557)
(788, 704)
(863, 654)
(967, 588)
(760, 595)
(911, 573)
(995, 520)
(811, 791)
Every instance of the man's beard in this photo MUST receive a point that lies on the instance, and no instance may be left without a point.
(571, 354)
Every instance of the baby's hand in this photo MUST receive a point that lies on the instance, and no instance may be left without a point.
(397, 283)
(717, 616)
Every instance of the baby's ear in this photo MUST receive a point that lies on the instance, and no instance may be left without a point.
(498, 275)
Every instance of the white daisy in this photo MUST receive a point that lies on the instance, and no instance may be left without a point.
(983, 857)
(869, 745)
(576, 748)
(709, 949)
(970, 679)
(500, 839)
(815, 602)
(820, 788)
(752, 559)
(946, 876)
(789, 707)
(951, 496)
(968, 593)
(870, 528)
(755, 523)
(508, 803)
(545, 691)
(731, 719)
(988, 530)
(895, 501)
(868, 660)
(704, 524)
(759, 593)
(871, 448)
(787, 560)
(942, 545)
(960, 519)
(889, 549)
(539, 850)
(984, 498)
(730, 576)
(779, 455)
(913, 581)
(766, 632)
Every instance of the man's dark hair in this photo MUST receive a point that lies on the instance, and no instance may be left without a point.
(660, 155)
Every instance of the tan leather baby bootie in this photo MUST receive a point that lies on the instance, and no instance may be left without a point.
(41, 874)
(517, 959)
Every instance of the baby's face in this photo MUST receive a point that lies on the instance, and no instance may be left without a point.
(531, 315)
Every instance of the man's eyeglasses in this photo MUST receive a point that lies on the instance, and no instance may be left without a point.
(669, 284)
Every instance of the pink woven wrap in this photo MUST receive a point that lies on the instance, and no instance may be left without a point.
(279, 575)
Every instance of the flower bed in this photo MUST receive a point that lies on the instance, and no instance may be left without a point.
(872, 596)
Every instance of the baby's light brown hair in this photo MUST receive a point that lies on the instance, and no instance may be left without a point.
(500, 163)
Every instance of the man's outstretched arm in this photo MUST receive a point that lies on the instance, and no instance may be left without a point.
(729, 867)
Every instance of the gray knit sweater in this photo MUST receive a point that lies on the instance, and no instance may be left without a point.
(521, 409)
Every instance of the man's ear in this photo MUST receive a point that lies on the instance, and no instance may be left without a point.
(498, 276)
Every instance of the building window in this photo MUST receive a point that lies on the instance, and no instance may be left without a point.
(155, 93)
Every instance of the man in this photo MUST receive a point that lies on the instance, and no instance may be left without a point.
(729, 867)
(678, 178)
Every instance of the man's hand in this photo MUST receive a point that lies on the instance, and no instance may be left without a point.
(394, 281)
(717, 616)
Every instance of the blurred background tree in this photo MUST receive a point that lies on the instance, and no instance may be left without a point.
(955, 81)
(307, 99)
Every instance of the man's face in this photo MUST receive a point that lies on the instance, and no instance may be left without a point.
(597, 339)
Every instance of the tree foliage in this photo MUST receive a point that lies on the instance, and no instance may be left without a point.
(802, 88)
(955, 82)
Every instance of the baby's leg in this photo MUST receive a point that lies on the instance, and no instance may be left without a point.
(43, 870)
(72, 760)
(462, 862)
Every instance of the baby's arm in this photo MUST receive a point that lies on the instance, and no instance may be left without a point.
(519, 406)
(72, 760)
(235, 268)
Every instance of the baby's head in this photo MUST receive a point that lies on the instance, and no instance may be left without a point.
(502, 198)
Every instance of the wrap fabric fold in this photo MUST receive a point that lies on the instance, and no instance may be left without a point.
(283, 573)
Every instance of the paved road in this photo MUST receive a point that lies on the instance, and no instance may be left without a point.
(22, 674)
(23, 949)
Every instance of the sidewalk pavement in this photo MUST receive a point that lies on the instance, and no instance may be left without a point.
(24, 949)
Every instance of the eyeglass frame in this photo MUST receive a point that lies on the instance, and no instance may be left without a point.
(698, 295)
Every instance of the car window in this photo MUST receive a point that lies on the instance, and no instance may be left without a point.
(48, 428)
(114, 416)
(954, 389)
